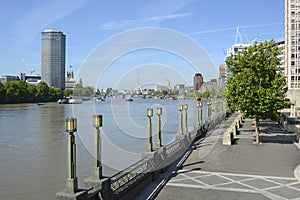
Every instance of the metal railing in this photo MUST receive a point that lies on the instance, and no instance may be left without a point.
(145, 170)
(122, 178)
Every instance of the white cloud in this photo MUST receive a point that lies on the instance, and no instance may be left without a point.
(171, 16)
(117, 25)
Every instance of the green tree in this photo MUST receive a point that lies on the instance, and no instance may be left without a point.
(255, 86)
(32, 90)
(68, 92)
(79, 90)
(2, 93)
(16, 92)
(42, 92)
(55, 94)
(206, 94)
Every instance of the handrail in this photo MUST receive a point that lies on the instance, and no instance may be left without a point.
(125, 176)
(143, 166)
(172, 147)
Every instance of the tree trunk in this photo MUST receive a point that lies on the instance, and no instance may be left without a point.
(257, 129)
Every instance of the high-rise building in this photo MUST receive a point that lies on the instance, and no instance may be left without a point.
(53, 58)
(233, 50)
(222, 74)
(292, 49)
(198, 81)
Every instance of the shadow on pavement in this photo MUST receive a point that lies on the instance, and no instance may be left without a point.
(280, 139)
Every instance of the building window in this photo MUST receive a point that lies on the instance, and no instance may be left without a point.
(292, 78)
(293, 48)
(293, 26)
(292, 71)
(293, 63)
(293, 55)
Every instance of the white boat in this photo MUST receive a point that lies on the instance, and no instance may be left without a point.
(69, 100)
(75, 101)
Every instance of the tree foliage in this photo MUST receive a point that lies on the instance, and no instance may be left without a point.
(68, 92)
(22, 92)
(256, 84)
(81, 91)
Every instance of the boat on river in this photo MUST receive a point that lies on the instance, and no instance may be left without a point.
(128, 99)
(100, 98)
(70, 100)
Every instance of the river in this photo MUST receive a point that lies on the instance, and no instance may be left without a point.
(33, 141)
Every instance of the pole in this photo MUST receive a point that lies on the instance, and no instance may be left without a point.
(158, 136)
(185, 118)
(97, 123)
(180, 119)
(149, 143)
(71, 182)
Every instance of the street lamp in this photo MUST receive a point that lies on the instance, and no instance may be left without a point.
(97, 123)
(199, 113)
(149, 143)
(209, 110)
(158, 136)
(180, 119)
(71, 182)
(185, 118)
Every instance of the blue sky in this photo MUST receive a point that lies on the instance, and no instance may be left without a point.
(89, 23)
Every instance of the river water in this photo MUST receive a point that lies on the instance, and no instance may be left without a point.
(33, 141)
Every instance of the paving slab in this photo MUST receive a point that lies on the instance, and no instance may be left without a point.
(239, 171)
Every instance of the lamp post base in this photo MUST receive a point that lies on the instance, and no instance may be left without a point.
(66, 194)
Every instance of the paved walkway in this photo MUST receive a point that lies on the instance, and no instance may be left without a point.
(240, 171)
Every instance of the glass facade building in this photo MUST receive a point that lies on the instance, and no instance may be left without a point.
(53, 58)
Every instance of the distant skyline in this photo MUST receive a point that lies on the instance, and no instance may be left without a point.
(88, 23)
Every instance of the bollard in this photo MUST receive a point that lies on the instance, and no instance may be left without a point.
(158, 136)
(149, 143)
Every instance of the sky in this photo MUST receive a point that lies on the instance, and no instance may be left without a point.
(132, 43)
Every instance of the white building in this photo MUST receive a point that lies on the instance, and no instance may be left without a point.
(292, 49)
(233, 50)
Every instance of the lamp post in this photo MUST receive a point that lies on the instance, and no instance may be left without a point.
(217, 106)
(180, 119)
(149, 143)
(199, 113)
(97, 123)
(71, 182)
(209, 110)
(158, 136)
(185, 118)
